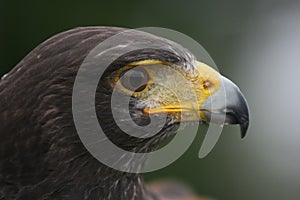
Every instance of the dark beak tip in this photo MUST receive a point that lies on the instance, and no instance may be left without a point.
(244, 128)
(243, 116)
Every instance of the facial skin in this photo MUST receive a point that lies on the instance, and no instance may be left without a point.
(185, 94)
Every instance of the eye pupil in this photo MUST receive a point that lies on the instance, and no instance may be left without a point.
(135, 79)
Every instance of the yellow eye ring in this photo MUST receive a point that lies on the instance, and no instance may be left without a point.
(138, 64)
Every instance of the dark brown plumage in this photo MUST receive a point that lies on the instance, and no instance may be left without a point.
(41, 155)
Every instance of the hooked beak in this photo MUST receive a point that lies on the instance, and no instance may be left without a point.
(224, 103)
(227, 106)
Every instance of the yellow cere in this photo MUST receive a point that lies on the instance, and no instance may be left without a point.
(209, 80)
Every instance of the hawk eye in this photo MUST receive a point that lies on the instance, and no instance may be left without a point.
(135, 79)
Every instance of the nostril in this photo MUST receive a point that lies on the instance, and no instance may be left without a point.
(207, 84)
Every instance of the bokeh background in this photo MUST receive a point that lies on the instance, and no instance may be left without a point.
(254, 43)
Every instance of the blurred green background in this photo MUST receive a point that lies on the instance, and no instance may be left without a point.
(254, 43)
